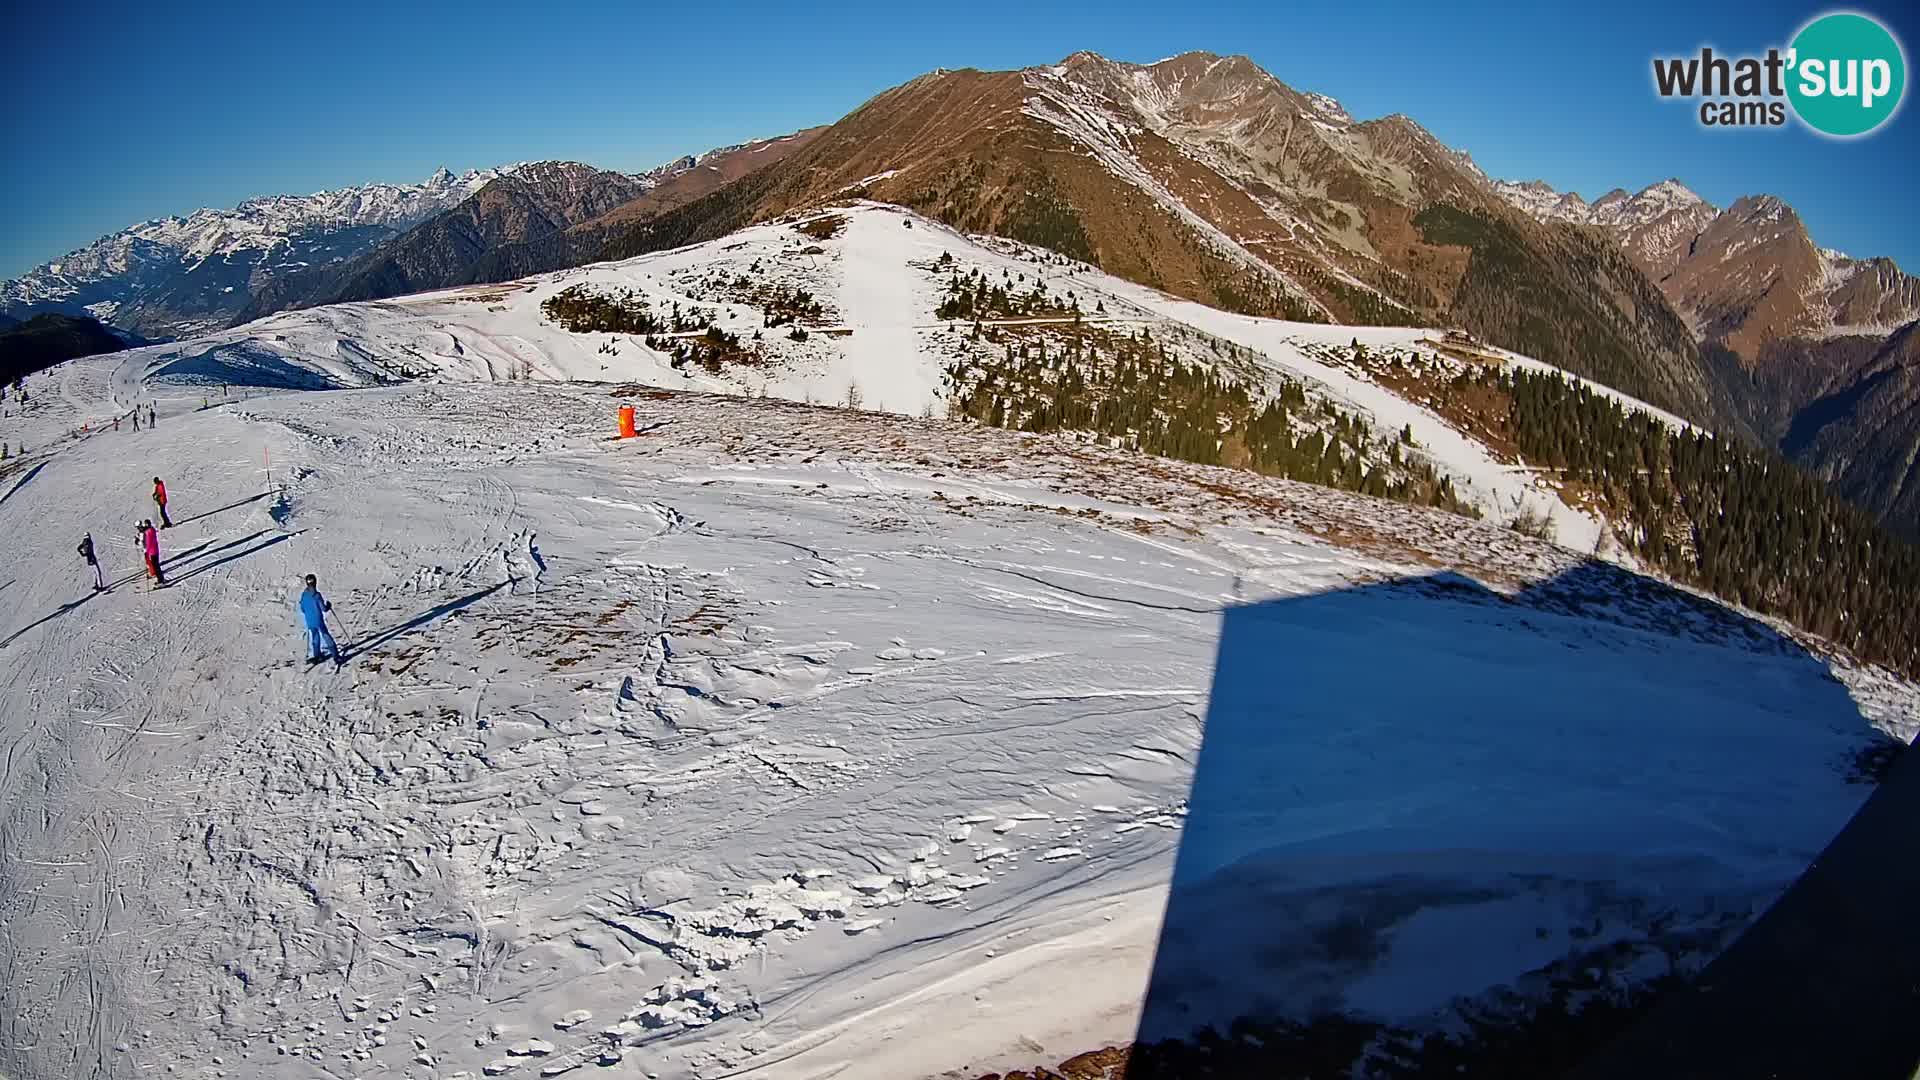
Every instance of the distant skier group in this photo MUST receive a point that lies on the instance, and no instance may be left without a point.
(153, 418)
(312, 605)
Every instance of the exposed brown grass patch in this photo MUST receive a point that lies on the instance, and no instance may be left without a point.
(824, 227)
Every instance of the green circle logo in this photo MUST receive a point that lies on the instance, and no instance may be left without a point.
(1847, 76)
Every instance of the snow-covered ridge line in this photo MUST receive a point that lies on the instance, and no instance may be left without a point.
(253, 223)
(268, 222)
(1616, 208)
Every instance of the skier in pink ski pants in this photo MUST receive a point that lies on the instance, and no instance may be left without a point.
(150, 546)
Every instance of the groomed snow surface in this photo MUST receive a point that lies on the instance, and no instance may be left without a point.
(802, 742)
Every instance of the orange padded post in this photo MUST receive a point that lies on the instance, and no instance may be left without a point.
(626, 421)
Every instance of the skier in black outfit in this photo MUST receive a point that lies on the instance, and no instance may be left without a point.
(86, 552)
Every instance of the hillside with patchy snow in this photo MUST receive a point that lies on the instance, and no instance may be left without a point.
(874, 286)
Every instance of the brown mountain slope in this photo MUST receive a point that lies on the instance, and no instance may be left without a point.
(1846, 408)
(700, 176)
(1805, 343)
(1207, 177)
(682, 182)
(1754, 276)
(958, 146)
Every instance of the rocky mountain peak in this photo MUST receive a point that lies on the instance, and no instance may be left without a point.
(1672, 192)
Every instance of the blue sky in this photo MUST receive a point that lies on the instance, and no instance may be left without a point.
(117, 112)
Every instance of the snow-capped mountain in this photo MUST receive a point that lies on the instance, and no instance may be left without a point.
(534, 217)
(1746, 275)
(1539, 199)
(1654, 226)
(177, 276)
(1808, 341)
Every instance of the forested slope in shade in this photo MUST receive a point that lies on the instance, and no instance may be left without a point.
(45, 340)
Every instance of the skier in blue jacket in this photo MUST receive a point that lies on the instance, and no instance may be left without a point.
(313, 609)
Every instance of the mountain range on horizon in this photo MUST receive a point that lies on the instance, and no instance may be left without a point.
(1201, 175)
(176, 276)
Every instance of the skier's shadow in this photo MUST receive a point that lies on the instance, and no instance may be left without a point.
(1411, 797)
(168, 566)
(398, 630)
(222, 509)
(277, 538)
(56, 613)
(23, 481)
(204, 548)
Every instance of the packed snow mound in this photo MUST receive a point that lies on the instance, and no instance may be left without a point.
(797, 741)
(836, 305)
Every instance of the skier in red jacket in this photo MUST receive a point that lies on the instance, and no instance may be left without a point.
(160, 500)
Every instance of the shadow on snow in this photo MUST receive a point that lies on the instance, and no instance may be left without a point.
(222, 509)
(63, 609)
(171, 566)
(277, 538)
(382, 637)
(1436, 831)
(23, 481)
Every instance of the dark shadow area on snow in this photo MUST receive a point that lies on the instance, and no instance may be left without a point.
(1436, 831)
(170, 565)
(277, 538)
(63, 609)
(240, 364)
(1827, 983)
(72, 605)
(374, 641)
(222, 509)
(23, 481)
(188, 556)
(169, 560)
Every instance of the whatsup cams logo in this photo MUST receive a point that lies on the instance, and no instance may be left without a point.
(1843, 75)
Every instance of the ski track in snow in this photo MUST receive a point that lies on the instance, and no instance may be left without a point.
(782, 741)
(542, 784)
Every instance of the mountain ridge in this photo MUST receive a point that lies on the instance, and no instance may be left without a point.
(1212, 179)
(551, 218)
(48, 339)
(1813, 346)
(178, 275)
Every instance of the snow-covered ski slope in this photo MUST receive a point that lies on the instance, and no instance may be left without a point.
(880, 280)
(789, 741)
